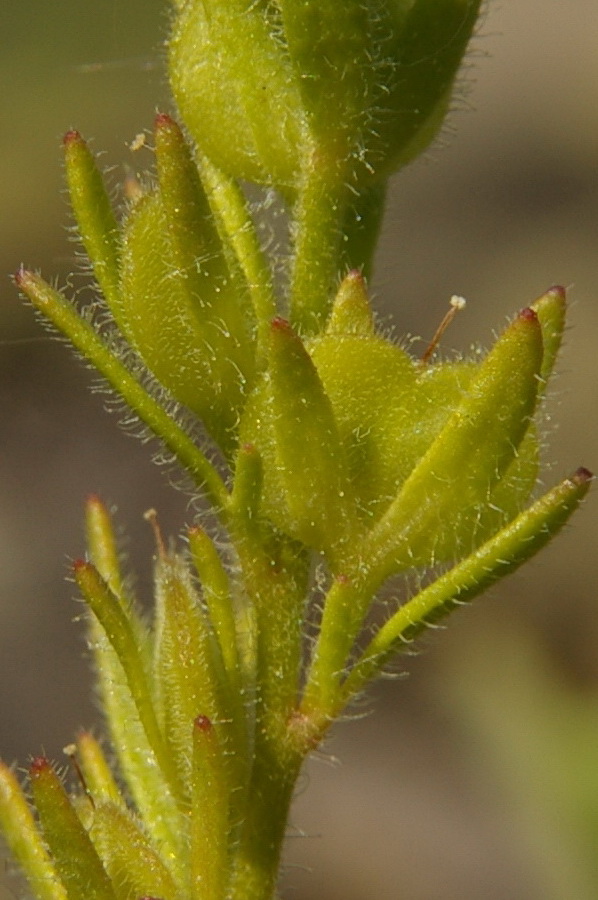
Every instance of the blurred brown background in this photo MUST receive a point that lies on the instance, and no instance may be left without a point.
(478, 775)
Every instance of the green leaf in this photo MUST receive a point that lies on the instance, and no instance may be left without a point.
(508, 549)
(83, 336)
(351, 311)
(119, 631)
(133, 864)
(551, 310)
(188, 666)
(241, 106)
(99, 780)
(210, 825)
(74, 855)
(434, 514)
(93, 211)
(291, 422)
(181, 306)
(25, 841)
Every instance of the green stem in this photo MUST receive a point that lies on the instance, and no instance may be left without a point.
(275, 575)
(363, 220)
(232, 210)
(319, 218)
(257, 856)
(345, 607)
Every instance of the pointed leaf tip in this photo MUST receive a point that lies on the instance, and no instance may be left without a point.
(165, 126)
(39, 765)
(72, 137)
(527, 314)
(163, 122)
(18, 277)
(162, 119)
(354, 275)
(22, 278)
(557, 290)
(351, 312)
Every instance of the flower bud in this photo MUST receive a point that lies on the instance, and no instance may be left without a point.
(357, 90)
(182, 305)
(173, 284)
(430, 459)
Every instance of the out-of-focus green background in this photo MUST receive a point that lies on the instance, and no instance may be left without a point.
(478, 775)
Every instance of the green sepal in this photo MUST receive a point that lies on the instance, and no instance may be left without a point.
(98, 228)
(372, 386)
(217, 598)
(375, 78)
(119, 631)
(426, 46)
(25, 841)
(551, 309)
(181, 307)
(188, 668)
(82, 334)
(360, 90)
(252, 89)
(156, 805)
(336, 56)
(291, 422)
(504, 552)
(133, 864)
(351, 311)
(212, 273)
(238, 233)
(511, 493)
(76, 860)
(99, 780)
(103, 552)
(210, 825)
(435, 514)
(101, 543)
(247, 486)
(230, 619)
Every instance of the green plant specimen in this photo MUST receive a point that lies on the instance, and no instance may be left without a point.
(330, 460)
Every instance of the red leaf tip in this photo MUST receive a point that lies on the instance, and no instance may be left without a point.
(528, 315)
(354, 275)
(38, 765)
(20, 276)
(163, 120)
(582, 476)
(557, 290)
(72, 137)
